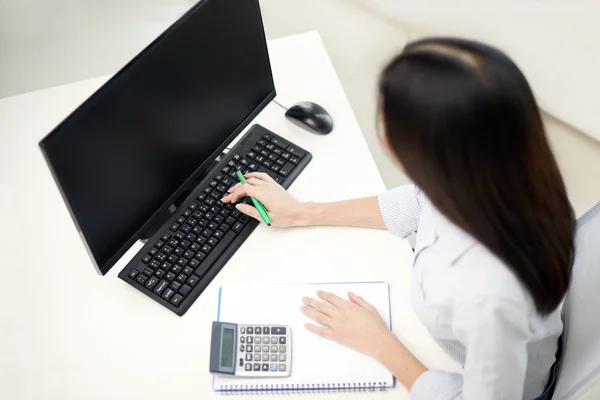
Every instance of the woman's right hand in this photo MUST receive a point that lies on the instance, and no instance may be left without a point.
(284, 210)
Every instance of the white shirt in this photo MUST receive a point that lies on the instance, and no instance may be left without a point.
(473, 306)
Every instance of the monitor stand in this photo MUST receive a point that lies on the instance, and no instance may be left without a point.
(162, 218)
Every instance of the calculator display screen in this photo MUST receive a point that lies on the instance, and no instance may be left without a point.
(227, 348)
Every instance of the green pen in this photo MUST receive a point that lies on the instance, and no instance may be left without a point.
(261, 209)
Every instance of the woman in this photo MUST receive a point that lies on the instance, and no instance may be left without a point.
(494, 225)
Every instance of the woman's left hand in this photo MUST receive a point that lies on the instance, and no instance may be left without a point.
(354, 323)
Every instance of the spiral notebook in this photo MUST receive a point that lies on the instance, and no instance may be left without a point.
(318, 364)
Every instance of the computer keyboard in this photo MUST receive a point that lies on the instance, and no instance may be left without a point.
(181, 259)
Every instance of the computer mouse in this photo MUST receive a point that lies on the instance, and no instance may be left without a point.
(311, 115)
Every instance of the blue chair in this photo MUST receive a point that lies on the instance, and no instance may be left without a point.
(581, 313)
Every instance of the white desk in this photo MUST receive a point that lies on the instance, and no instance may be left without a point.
(67, 333)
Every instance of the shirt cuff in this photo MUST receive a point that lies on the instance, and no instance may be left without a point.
(400, 210)
(437, 385)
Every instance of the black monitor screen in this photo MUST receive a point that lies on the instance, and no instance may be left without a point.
(138, 142)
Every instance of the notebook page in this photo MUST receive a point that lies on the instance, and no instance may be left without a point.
(315, 360)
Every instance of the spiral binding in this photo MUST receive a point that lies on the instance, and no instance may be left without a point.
(302, 388)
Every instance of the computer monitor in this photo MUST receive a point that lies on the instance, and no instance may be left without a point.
(135, 146)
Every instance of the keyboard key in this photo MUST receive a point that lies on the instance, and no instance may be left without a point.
(272, 157)
(219, 177)
(200, 256)
(155, 263)
(159, 273)
(168, 293)
(141, 279)
(173, 243)
(264, 153)
(193, 281)
(267, 163)
(267, 136)
(175, 285)
(182, 262)
(166, 266)
(207, 233)
(206, 249)
(295, 151)
(188, 271)
(153, 251)
(193, 206)
(174, 227)
(185, 244)
(166, 237)
(180, 220)
(236, 157)
(162, 257)
(238, 227)
(212, 241)
(209, 216)
(146, 259)
(161, 287)
(167, 250)
(187, 213)
(152, 281)
(278, 151)
(294, 160)
(275, 168)
(176, 300)
(190, 237)
(259, 158)
(244, 161)
(133, 273)
(201, 197)
(188, 254)
(184, 290)
(270, 146)
(170, 276)
(176, 269)
(278, 141)
(186, 229)
(280, 162)
(230, 221)
(286, 169)
(251, 155)
(179, 251)
(194, 263)
(148, 271)
(181, 278)
(262, 142)
(180, 236)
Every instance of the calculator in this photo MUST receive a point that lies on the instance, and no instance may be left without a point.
(251, 350)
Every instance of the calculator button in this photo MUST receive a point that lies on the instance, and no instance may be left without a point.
(282, 349)
(249, 348)
(265, 367)
(243, 330)
(273, 349)
(250, 330)
(248, 367)
(256, 367)
(265, 357)
(242, 347)
(242, 339)
(241, 362)
(249, 339)
(257, 349)
(266, 330)
(282, 340)
(258, 330)
(257, 357)
(273, 367)
(265, 349)
(266, 340)
(258, 340)
(281, 367)
(282, 357)
(274, 339)
(274, 357)
(248, 357)
(278, 330)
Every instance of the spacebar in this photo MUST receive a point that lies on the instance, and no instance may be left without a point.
(215, 254)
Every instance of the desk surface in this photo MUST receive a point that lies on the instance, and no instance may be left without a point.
(67, 333)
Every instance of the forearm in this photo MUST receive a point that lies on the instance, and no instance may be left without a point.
(399, 361)
(363, 213)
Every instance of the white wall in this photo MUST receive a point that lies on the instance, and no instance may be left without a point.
(555, 43)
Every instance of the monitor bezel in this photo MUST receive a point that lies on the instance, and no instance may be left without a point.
(193, 178)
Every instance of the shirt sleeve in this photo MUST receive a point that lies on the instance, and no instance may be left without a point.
(400, 209)
(495, 333)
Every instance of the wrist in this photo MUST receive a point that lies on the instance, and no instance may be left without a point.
(308, 214)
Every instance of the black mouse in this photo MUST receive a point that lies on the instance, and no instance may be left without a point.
(311, 115)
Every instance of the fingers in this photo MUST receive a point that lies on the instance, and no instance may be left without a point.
(318, 330)
(332, 298)
(316, 315)
(320, 306)
(260, 175)
(358, 300)
(249, 211)
(240, 191)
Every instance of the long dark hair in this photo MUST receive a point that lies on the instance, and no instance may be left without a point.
(463, 121)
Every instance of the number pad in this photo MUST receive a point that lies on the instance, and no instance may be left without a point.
(265, 345)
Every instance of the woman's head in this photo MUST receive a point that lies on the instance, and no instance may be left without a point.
(461, 119)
